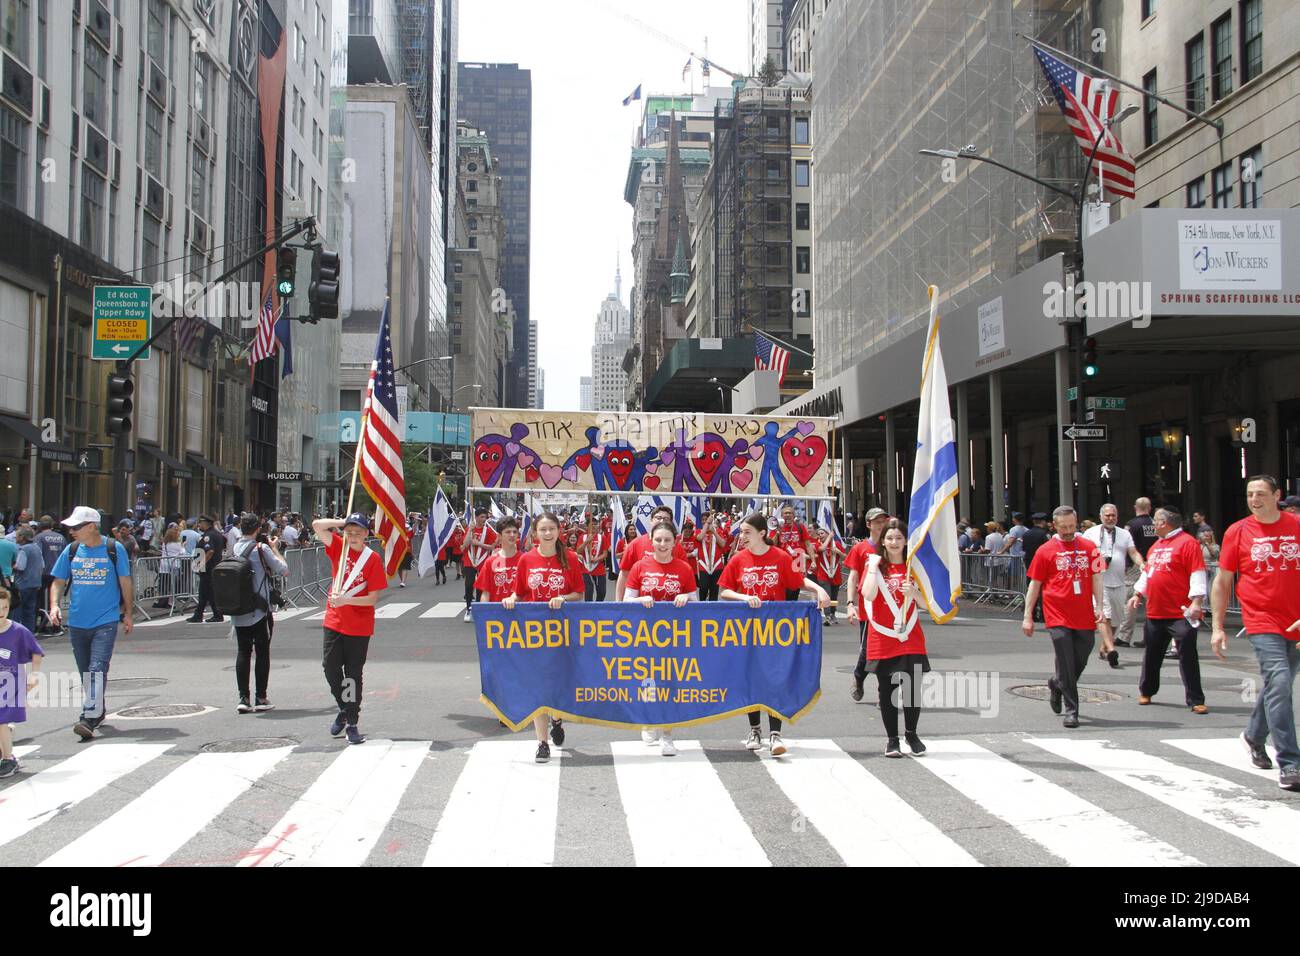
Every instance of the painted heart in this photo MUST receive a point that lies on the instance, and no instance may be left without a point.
(512, 448)
(803, 456)
(530, 474)
(709, 459)
(667, 455)
(598, 452)
(651, 468)
(755, 452)
(525, 459)
(551, 474)
(570, 473)
(584, 461)
(741, 479)
(742, 459)
(805, 428)
(619, 462)
(651, 482)
(487, 458)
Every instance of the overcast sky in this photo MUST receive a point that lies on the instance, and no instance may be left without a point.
(585, 57)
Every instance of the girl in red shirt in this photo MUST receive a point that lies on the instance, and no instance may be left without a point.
(593, 548)
(895, 643)
(550, 574)
(689, 546)
(761, 573)
(661, 577)
(710, 555)
(830, 567)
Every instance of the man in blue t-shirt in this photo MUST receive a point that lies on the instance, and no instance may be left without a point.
(101, 595)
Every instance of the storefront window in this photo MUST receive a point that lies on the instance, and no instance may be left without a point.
(1289, 414)
(1162, 463)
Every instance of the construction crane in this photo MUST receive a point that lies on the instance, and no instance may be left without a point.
(664, 37)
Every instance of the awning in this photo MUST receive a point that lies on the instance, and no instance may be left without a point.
(178, 468)
(225, 479)
(50, 451)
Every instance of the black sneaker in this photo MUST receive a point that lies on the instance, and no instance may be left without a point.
(243, 707)
(543, 752)
(1071, 720)
(1120, 642)
(1289, 780)
(215, 620)
(914, 742)
(1113, 659)
(1140, 643)
(1258, 755)
(892, 749)
(354, 735)
(336, 728)
(8, 767)
(856, 692)
(263, 705)
(194, 620)
(557, 732)
(1055, 700)
(84, 728)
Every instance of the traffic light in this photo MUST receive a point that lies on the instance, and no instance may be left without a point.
(1090, 367)
(323, 293)
(120, 406)
(286, 269)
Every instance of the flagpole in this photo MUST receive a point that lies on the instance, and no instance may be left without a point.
(783, 344)
(933, 293)
(356, 470)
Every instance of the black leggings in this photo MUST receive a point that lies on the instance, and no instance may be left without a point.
(708, 584)
(890, 682)
(440, 571)
(773, 723)
(471, 573)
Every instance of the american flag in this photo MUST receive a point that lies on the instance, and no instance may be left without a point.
(1087, 103)
(767, 354)
(380, 465)
(264, 343)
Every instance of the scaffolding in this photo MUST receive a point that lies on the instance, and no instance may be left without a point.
(416, 47)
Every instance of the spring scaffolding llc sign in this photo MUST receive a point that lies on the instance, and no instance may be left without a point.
(1230, 254)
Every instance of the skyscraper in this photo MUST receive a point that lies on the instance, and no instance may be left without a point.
(497, 98)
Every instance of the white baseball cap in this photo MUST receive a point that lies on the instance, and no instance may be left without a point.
(81, 515)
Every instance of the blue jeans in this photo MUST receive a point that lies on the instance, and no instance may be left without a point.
(92, 648)
(27, 601)
(1279, 660)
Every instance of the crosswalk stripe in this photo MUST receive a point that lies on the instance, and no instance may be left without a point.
(444, 609)
(1228, 751)
(26, 749)
(503, 810)
(158, 823)
(172, 619)
(1221, 803)
(866, 822)
(318, 616)
(341, 816)
(393, 609)
(1077, 831)
(26, 805)
(291, 613)
(678, 810)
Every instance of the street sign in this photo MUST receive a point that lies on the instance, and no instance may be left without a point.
(1071, 393)
(90, 459)
(1108, 471)
(1106, 403)
(1075, 432)
(1090, 416)
(122, 320)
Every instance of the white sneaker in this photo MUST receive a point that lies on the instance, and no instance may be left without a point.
(649, 736)
(755, 741)
(469, 614)
(666, 746)
(776, 745)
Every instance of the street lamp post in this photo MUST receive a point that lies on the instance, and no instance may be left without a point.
(467, 435)
(722, 393)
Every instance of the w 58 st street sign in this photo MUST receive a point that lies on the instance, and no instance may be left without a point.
(1074, 432)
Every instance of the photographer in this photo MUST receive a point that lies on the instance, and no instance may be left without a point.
(253, 630)
(1117, 549)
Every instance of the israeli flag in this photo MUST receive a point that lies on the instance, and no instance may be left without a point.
(526, 521)
(646, 504)
(932, 555)
(442, 521)
(826, 519)
(617, 530)
(497, 513)
(698, 505)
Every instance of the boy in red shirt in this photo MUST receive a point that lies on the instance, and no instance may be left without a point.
(792, 537)
(349, 614)
(1263, 551)
(710, 555)
(496, 577)
(1067, 572)
(480, 541)
(1173, 582)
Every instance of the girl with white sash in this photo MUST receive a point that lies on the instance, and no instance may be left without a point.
(895, 645)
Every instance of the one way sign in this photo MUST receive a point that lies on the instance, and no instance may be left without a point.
(1073, 432)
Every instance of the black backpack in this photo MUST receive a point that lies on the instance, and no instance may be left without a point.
(232, 584)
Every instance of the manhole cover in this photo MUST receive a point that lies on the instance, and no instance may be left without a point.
(154, 711)
(274, 667)
(135, 683)
(245, 744)
(1087, 695)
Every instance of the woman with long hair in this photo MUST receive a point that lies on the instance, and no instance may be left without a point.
(169, 567)
(547, 574)
(711, 555)
(759, 572)
(660, 576)
(830, 567)
(895, 642)
(593, 549)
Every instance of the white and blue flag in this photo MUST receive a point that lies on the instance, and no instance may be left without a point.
(442, 521)
(526, 517)
(617, 530)
(826, 519)
(497, 513)
(932, 555)
(646, 505)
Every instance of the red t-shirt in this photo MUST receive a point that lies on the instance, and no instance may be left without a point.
(479, 544)
(793, 538)
(351, 619)
(1169, 566)
(663, 582)
(882, 646)
(830, 563)
(589, 548)
(641, 548)
(1066, 572)
(496, 578)
(710, 550)
(687, 542)
(857, 561)
(767, 576)
(539, 578)
(1266, 560)
(456, 540)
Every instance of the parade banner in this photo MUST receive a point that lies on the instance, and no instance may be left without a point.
(625, 665)
(668, 453)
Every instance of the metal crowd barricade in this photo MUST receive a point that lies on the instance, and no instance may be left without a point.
(173, 579)
(994, 579)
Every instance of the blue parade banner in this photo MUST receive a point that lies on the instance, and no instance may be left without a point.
(625, 665)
